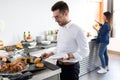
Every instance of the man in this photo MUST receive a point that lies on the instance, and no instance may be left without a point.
(71, 41)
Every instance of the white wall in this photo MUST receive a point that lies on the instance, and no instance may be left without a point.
(17, 16)
(116, 18)
(114, 44)
(115, 41)
(24, 15)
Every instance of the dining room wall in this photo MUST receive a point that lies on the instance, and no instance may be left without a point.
(19, 16)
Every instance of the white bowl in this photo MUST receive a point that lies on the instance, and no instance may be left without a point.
(45, 42)
(33, 43)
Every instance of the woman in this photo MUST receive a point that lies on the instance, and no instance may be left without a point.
(103, 40)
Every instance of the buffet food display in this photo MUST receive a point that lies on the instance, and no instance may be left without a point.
(20, 65)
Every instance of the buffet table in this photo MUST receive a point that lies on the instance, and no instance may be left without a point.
(89, 63)
(51, 72)
(47, 74)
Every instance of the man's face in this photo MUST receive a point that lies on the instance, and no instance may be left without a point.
(60, 17)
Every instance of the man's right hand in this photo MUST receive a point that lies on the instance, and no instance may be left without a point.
(46, 55)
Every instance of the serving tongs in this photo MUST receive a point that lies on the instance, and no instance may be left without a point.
(49, 65)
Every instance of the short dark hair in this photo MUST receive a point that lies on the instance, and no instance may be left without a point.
(61, 5)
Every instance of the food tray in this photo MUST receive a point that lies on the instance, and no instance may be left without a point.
(9, 48)
(32, 68)
(6, 73)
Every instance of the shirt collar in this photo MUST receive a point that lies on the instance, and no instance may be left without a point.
(68, 25)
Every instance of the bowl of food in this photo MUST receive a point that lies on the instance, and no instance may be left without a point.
(45, 42)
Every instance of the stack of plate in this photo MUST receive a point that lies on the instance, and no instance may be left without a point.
(3, 53)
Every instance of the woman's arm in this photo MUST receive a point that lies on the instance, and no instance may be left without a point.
(96, 28)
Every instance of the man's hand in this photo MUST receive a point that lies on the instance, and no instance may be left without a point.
(69, 56)
(46, 55)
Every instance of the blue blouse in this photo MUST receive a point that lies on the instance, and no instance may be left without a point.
(103, 33)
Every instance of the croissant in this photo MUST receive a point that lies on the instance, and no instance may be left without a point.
(4, 67)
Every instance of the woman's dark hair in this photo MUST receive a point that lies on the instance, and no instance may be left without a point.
(108, 16)
(61, 5)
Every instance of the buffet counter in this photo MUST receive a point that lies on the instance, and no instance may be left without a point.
(29, 70)
(47, 74)
(52, 71)
(89, 63)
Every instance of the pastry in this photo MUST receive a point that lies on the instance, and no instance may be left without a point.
(30, 60)
(24, 60)
(4, 67)
(19, 46)
(39, 65)
(14, 66)
(4, 59)
(37, 60)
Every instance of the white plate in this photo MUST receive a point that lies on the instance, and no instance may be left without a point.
(45, 42)
(57, 56)
(31, 46)
(3, 53)
(71, 60)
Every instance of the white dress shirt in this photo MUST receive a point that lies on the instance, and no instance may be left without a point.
(72, 39)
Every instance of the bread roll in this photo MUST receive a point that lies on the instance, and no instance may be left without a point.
(30, 60)
(39, 65)
(4, 59)
(37, 60)
(4, 67)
